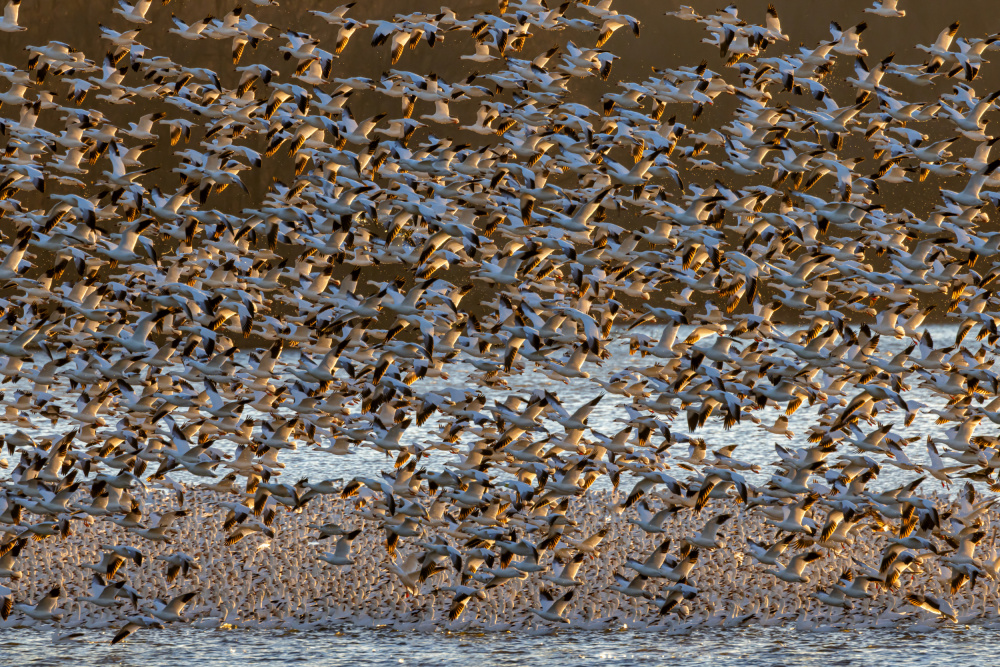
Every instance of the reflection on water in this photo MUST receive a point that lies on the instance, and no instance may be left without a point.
(351, 646)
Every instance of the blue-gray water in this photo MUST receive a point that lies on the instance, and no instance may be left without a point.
(957, 647)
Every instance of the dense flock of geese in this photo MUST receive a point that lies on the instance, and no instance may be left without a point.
(391, 253)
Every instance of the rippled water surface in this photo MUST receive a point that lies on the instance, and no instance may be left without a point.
(958, 647)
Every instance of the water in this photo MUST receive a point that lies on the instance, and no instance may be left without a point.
(350, 646)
